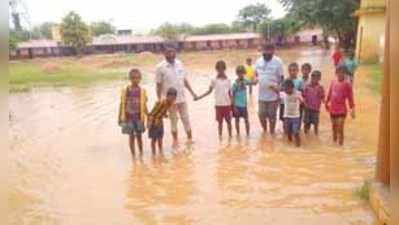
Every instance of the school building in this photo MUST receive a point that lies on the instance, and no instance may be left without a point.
(371, 29)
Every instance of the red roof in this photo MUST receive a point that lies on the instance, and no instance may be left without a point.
(120, 40)
(43, 43)
(222, 37)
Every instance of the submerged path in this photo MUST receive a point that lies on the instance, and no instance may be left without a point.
(71, 165)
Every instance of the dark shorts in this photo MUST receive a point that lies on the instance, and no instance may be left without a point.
(292, 125)
(311, 116)
(155, 132)
(133, 127)
(223, 113)
(338, 116)
(240, 112)
(268, 110)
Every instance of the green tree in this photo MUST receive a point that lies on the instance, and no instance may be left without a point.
(168, 31)
(334, 17)
(253, 15)
(282, 27)
(12, 43)
(100, 28)
(17, 36)
(75, 32)
(216, 28)
(43, 30)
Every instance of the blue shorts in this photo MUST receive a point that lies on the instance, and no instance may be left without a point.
(292, 125)
(240, 112)
(155, 132)
(311, 116)
(133, 127)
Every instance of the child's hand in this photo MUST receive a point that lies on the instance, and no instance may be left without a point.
(274, 88)
(353, 114)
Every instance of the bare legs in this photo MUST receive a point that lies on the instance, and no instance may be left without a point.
(220, 128)
(238, 125)
(154, 143)
(132, 144)
(338, 129)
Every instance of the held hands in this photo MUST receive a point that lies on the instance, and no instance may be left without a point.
(353, 114)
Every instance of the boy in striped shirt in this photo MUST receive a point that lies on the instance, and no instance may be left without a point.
(155, 120)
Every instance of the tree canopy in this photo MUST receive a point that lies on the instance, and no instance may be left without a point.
(252, 15)
(172, 31)
(334, 17)
(74, 32)
(43, 30)
(101, 27)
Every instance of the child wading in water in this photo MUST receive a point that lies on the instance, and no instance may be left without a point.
(240, 98)
(339, 93)
(249, 73)
(155, 120)
(313, 97)
(132, 111)
(293, 70)
(292, 100)
(223, 99)
(351, 65)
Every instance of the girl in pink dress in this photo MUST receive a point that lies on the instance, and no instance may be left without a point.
(339, 95)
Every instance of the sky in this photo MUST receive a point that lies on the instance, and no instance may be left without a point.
(143, 15)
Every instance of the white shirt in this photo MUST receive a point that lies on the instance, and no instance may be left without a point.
(222, 89)
(292, 104)
(270, 73)
(171, 75)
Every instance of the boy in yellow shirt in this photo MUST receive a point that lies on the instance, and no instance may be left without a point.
(249, 73)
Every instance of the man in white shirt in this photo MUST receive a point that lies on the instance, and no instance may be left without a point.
(171, 73)
(269, 70)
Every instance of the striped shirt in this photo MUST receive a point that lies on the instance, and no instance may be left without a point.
(158, 112)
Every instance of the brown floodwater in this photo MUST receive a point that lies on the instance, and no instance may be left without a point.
(70, 165)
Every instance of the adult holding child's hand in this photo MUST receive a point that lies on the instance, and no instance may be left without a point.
(170, 73)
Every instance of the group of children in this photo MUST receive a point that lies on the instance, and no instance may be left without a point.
(300, 103)
(300, 99)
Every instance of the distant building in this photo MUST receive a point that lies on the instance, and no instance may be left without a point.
(110, 43)
(371, 28)
(55, 33)
(221, 41)
(40, 48)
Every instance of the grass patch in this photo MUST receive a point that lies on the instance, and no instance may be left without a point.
(29, 74)
(363, 191)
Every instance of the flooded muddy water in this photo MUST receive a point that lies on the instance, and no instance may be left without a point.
(70, 165)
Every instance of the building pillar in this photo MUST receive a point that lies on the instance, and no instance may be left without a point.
(383, 161)
(393, 48)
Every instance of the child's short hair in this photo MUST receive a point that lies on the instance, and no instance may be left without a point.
(288, 84)
(133, 71)
(249, 59)
(171, 92)
(316, 73)
(240, 69)
(294, 64)
(221, 63)
(341, 69)
(307, 66)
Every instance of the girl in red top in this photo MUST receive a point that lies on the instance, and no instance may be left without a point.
(339, 93)
(337, 56)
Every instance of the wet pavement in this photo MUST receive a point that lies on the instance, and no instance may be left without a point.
(71, 165)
